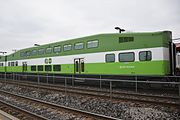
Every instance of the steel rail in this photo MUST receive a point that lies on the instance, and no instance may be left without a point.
(94, 115)
(33, 115)
(105, 94)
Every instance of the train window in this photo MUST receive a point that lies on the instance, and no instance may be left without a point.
(22, 54)
(49, 50)
(33, 68)
(40, 67)
(126, 57)
(34, 52)
(67, 47)
(56, 67)
(145, 56)
(28, 53)
(41, 51)
(16, 63)
(12, 63)
(79, 46)
(48, 68)
(92, 44)
(126, 39)
(57, 49)
(82, 66)
(9, 64)
(77, 66)
(110, 57)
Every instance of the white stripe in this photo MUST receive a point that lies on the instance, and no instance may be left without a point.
(159, 53)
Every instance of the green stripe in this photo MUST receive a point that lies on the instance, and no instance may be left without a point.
(130, 68)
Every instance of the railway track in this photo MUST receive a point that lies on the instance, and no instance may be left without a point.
(87, 115)
(114, 95)
(19, 112)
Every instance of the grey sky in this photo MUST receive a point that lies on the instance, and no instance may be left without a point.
(25, 22)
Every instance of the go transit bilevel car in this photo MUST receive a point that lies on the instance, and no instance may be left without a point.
(104, 54)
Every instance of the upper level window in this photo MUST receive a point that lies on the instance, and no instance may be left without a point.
(145, 56)
(57, 49)
(110, 57)
(34, 52)
(126, 57)
(92, 44)
(22, 54)
(49, 50)
(28, 53)
(126, 39)
(67, 47)
(79, 46)
(41, 51)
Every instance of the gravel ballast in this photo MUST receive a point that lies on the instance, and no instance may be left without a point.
(122, 110)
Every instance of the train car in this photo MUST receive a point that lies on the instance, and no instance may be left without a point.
(126, 54)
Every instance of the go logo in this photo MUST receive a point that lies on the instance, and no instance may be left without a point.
(48, 61)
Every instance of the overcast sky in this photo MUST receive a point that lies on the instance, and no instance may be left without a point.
(26, 22)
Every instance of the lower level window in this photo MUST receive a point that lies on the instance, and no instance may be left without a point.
(33, 68)
(40, 67)
(110, 57)
(126, 57)
(145, 56)
(48, 68)
(56, 67)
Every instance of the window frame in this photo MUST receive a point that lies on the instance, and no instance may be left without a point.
(55, 70)
(126, 53)
(126, 39)
(145, 51)
(22, 54)
(92, 41)
(34, 52)
(34, 66)
(46, 68)
(110, 61)
(57, 47)
(77, 44)
(49, 50)
(67, 45)
(42, 49)
(39, 67)
(28, 53)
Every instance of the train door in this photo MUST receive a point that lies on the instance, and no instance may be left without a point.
(172, 58)
(24, 66)
(78, 65)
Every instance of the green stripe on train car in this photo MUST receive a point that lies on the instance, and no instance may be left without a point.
(130, 68)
